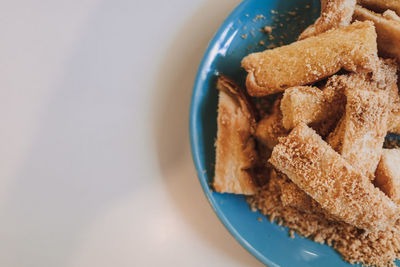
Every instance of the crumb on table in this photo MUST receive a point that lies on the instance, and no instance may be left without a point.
(267, 29)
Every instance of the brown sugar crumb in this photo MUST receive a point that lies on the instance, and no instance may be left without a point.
(271, 46)
(292, 13)
(258, 17)
(271, 38)
(355, 246)
(262, 42)
(267, 29)
(291, 234)
(244, 36)
(259, 219)
(308, 6)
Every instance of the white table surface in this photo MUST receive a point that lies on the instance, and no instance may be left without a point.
(95, 164)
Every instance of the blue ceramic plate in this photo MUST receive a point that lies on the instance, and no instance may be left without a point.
(238, 36)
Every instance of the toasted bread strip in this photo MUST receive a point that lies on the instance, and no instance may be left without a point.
(337, 84)
(394, 123)
(291, 195)
(352, 48)
(330, 180)
(334, 14)
(302, 104)
(387, 29)
(381, 5)
(394, 116)
(270, 128)
(364, 129)
(335, 138)
(235, 146)
(312, 105)
(390, 14)
(388, 174)
(359, 135)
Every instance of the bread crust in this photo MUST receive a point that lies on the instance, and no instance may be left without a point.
(387, 29)
(331, 181)
(334, 14)
(381, 5)
(388, 174)
(352, 48)
(235, 146)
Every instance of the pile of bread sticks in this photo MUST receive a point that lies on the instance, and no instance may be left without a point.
(336, 98)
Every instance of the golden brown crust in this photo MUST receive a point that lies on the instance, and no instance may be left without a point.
(311, 105)
(388, 174)
(235, 146)
(381, 5)
(324, 175)
(394, 123)
(334, 14)
(364, 129)
(292, 196)
(387, 29)
(270, 128)
(301, 104)
(352, 48)
(385, 80)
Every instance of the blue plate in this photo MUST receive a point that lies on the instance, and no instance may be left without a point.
(238, 36)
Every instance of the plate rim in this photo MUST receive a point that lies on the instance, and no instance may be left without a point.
(194, 143)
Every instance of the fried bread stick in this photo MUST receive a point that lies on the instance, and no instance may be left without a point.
(334, 14)
(330, 180)
(381, 5)
(235, 146)
(352, 48)
(387, 29)
(388, 174)
(363, 129)
(270, 128)
(311, 105)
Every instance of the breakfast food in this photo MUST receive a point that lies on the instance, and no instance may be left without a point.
(352, 48)
(334, 14)
(235, 146)
(309, 104)
(292, 196)
(381, 5)
(362, 130)
(387, 28)
(388, 174)
(312, 105)
(315, 161)
(270, 128)
(331, 181)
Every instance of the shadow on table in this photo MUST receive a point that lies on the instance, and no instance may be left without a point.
(175, 82)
